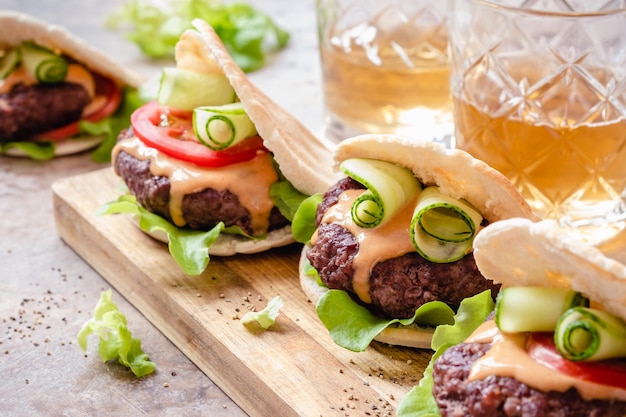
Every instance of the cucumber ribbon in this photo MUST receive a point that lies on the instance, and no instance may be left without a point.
(585, 334)
(43, 64)
(442, 227)
(534, 309)
(389, 187)
(220, 127)
(8, 62)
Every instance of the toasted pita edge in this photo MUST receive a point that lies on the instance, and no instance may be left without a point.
(518, 252)
(304, 159)
(17, 27)
(397, 336)
(456, 172)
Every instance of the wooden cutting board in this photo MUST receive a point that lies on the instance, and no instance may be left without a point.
(291, 369)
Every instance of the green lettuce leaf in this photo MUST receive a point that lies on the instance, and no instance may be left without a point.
(40, 151)
(116, 341)
(303, 224)
(248, 34)
(353, 326)
(265, 317)
(189, 248)
(286, 197)
(419, 401)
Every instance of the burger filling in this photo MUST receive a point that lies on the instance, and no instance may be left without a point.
(380, 265)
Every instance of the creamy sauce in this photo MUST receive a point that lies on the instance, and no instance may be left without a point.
(250, 181)
(19, 75)
(507, 356)
(389, 240)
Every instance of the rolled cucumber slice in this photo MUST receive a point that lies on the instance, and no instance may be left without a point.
(534, 309)
(8, 62)
(186, 90)
(219, 127)
(389, 187)
(43, 64)
(586, 334)
(442, 227)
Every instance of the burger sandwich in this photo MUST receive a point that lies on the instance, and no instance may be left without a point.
(51, 83)
(213, 165)
(390, 257)
(555, 344)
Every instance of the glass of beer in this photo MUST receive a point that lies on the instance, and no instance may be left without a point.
(385, 67)
(539, 92)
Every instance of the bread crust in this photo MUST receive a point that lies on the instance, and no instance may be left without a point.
(519, 252)
(456, 172)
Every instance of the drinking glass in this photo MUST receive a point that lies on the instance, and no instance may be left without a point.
(539, 92)
(384, 67)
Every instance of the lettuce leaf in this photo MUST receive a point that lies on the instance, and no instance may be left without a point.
(419, 401)
(353, 326)
(155, 27)
(286, 197)
(116, 341)
(189, 248)
(265, 317)
(303, 224)
(40, 151)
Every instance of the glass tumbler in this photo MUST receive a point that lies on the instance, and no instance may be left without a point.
(539, 92)
(384, 67)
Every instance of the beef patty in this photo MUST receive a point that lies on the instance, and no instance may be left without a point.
(201, 210)
(26, 111)
(497, 396)
(398, 286)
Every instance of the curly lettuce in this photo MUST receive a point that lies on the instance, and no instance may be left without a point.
(116, 340)
(266, 317)
(155, 27)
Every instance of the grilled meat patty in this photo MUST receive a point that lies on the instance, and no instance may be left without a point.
(26, 111)
(201, 210)
(497, 396)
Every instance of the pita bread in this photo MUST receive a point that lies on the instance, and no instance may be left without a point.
(412, 336)
(304, 159)
(518, 252)
(16, 27)
(456, 172)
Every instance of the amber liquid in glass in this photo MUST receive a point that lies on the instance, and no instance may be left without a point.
(394, 95)
(565, 172)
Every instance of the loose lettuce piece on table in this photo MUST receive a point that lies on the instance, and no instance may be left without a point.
(155, 27)
(419, 402)
(116, 341)
(265, 317)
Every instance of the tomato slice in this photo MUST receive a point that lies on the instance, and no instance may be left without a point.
(540, 347)
(104, 87)
(178, 140)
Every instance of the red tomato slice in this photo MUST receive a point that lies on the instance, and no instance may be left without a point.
(179, 141)
(105, 87)
(612, 372)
